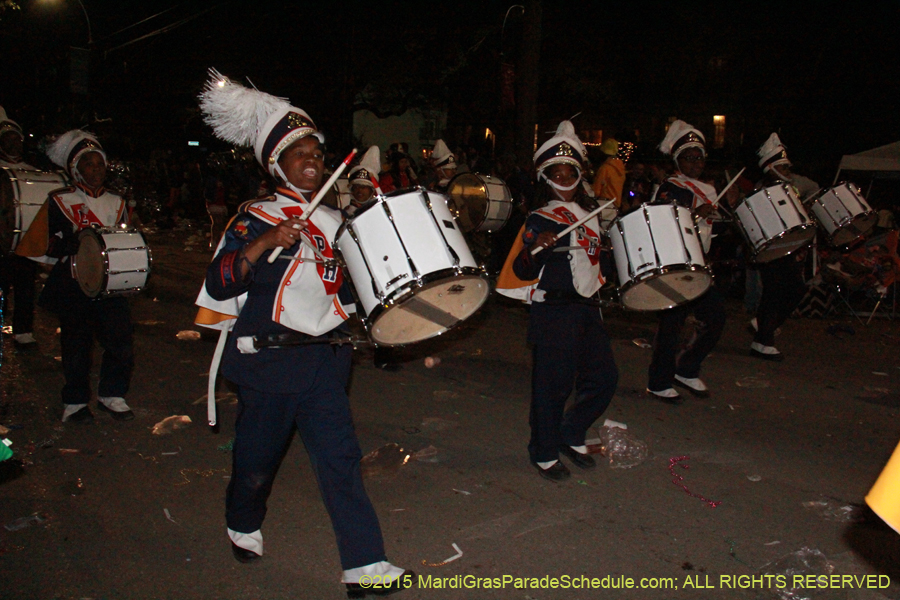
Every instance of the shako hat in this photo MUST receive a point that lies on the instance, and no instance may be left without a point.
(680, 137)
(366, 172)
(249, 117)
(564, 148)
(772, 153)
(68, 148)
(7, 124)
(442, 157)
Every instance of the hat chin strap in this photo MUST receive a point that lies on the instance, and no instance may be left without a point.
(562, 188)
(76, 175)
(778, 173)
(290, 185)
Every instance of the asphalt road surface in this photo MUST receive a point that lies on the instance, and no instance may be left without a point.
(787, 452)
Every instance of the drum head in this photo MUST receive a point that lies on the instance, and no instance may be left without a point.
(788, 242)
(666, 290)
(8, 212)
(468, 200)
(90, 266)
(430, 310)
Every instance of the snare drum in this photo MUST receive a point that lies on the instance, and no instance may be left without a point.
(111, 261)
(410, 268)
(843, 213)
(22, 193)
(658, 257)
(479, 202)
(774, 223)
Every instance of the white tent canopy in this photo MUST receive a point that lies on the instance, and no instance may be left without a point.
(884, 159)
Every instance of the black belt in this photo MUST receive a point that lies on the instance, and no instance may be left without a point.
(568, 297)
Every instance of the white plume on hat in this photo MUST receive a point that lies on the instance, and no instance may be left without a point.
(369, 166)
(680, 137)
(245, 117)
(566, 143)
(236, 113)
(442, 156)
(64, 151)
(772, 153)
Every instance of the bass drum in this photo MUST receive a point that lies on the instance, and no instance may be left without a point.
(410, 268)
(22, 193)
(111, 261)
(479, 202)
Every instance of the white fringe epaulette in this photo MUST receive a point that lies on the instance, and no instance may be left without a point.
(236, 113)
(58, 151)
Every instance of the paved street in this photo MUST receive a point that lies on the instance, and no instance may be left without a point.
(789, 450)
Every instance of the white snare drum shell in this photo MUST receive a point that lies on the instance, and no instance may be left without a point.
(843, 213)
(410, 267)
(774, 223)
(658, 257)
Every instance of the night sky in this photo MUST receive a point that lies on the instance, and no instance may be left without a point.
(826, 78)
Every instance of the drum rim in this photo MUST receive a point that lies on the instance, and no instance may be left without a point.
(425, 282)
(104, 280)
(659, 271)
(825, 190)
(809, 225)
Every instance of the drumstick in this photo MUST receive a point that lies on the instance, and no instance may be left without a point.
(593, 214)
(727, 187)
(377, 188)
(317, 198)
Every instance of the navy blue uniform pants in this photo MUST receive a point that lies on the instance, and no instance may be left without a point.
(783, 289)
(110, 321)
(709, 309)
(570, 349)
(18, 273)
(321, 413)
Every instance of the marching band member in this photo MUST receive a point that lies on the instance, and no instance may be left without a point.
(17, 272)
(444, 163)
(687, 147)
(299, 386)
(570, 344)
(69, 210)
(363, 179)
(782, 279)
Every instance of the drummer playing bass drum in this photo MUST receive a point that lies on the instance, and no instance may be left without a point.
(687, 147)
(70, 210)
